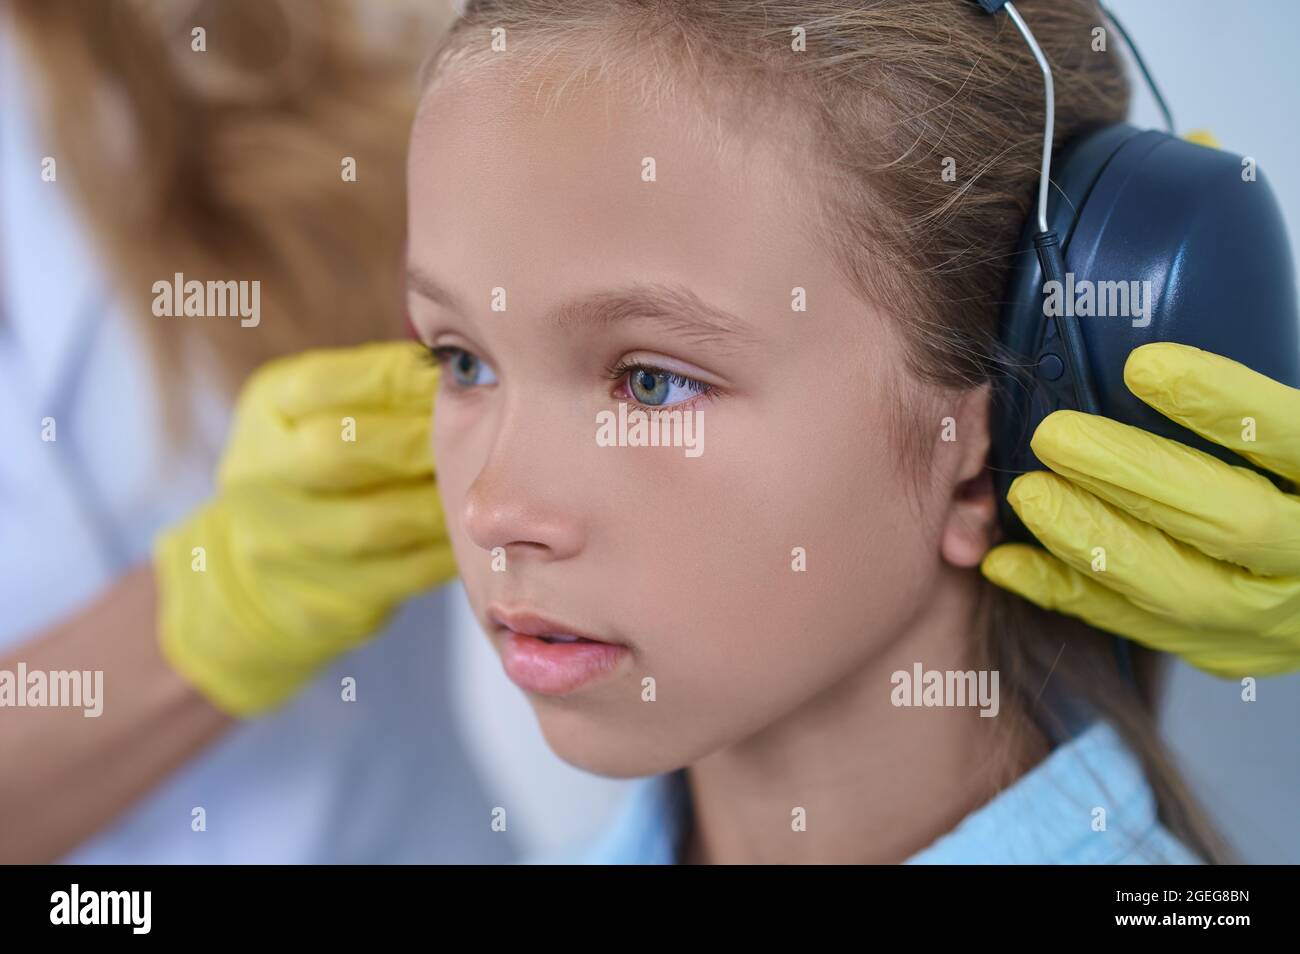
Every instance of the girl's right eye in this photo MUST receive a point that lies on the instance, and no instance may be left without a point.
(466, 369)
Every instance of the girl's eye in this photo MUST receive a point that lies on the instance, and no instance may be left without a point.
(466, 369)
(658, 388)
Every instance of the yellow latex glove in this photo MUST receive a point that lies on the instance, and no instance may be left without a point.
(1202, 559)
(312, 540)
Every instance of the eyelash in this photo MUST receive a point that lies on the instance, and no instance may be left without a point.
(702, 389)
(439, 355)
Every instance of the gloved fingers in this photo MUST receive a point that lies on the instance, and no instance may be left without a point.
(303, 622)
(1045, 581)
(1148, 567)
(249, 633)
(1229, 513)
(395, 577)
(351, 591)
(325, 452)
(297, 525)
(386, 375)
(1219, 399)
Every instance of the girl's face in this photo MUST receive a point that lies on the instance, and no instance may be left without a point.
(570, 260)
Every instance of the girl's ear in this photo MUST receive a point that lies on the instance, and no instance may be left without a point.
(970, 526)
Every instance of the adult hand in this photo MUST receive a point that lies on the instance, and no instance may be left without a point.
(325, 519)
(1202, 559)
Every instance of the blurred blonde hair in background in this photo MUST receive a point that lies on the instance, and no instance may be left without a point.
(228, 164)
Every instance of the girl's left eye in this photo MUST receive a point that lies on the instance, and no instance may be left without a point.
(656, 387)
(467, 370)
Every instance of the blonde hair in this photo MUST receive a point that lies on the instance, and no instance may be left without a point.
(227, 164)
(885, 91)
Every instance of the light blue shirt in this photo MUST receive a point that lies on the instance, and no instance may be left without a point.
(1050, 815)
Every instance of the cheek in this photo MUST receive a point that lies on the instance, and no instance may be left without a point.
(757, 574)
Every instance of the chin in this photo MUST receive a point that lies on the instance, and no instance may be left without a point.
(586, 742)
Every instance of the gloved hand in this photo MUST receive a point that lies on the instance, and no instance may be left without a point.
(1202, 559)
(312, 540)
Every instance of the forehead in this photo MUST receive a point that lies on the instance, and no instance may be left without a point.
(555, 178)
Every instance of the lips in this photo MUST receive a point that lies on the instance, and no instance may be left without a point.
(549, 657)
(527, 623)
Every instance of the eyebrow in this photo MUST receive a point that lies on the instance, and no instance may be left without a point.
(674, 308)
(426, 286)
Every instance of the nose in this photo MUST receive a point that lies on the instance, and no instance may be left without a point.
(522, 501)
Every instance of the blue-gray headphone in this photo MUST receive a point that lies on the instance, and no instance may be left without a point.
(1121, 204)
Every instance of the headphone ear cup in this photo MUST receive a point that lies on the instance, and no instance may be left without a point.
(1027, 364)
(1163, 240)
